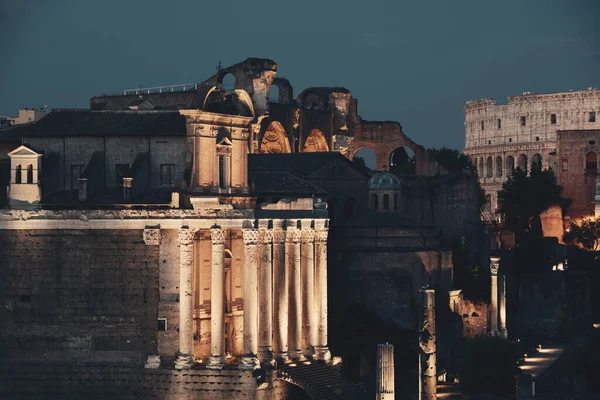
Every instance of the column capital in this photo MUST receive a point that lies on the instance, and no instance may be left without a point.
(308, 235)
(321, 235)
(152, 236)
(265, 236)
(494, 265)
(217, 235)
(292, 235)
(278, 236)
(186, 236)
(250, 236)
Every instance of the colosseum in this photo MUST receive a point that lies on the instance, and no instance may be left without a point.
(523, 132)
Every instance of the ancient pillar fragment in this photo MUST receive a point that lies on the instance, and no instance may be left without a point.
(502, 329)
(427, 360)
(217, 300)
(250, 339)
(494, 265)
(385, 372)
(280, 293)
(292, 266)
(321, 350)
(265, 295)
(184, 360)
(309, 324)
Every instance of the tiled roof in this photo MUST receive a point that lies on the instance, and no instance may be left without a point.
(281, 183)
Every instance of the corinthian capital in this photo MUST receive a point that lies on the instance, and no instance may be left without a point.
(186, 236)
(278, 236)
(265, 236)
(494, 265)
(217, 235)
(250, 236)
(321, 235)
(308, 235)
(292, 235)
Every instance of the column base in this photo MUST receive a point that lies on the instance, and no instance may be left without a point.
(152, 362)
(309, 352)
(296, 355)
(282, 358)
(216, 362)
(249, 363)
(503, 333)
(265, 356)
(184, 361)
(322, 353)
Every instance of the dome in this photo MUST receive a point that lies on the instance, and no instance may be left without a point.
(384, 181)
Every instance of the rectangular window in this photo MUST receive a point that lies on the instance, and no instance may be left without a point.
(553, 119)
(537, 138)
(76, 171)
(482, 125)
(593, 116)
(161, 324)
(121, 171)
(523, 121)
(167, 175)
(509, 140)
(565, 164)
(499, 123)
(489, 142)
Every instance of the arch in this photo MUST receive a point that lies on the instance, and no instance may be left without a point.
(274, 94)
(18, 173)
(349, 208)
(480, 169)
(30, 173)
(498, 167)
(396, 201)
(488, 167)
(315, 142)
(227, 253)
(591, 161)
(366, 157)
(475, 163)
(509, 165)
(374, 202)
(523, 163)
(275, 140)
(536, 162)
(403, 160)
(386, 201)
(228, 81)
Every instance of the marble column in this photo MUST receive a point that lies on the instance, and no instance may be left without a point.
(309, 325)
(185, 360)
(217, 300)
(265, 295)
(427, 360)
(502, 300)
(250, 339)
(321, 349)
(385, 372)
(292, 266)
(494, 265)
(280, 294)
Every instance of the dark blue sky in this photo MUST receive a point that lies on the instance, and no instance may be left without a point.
(416, 62)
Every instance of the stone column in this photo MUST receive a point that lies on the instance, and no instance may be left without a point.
(494, 264)
(503, 331)
(265, 295)
(250, 344)
(309, 324)
(280, 293)
(292, 267)
(427, 361)
(385, 372)
(217, 300)
(185, 360)
(321, 349)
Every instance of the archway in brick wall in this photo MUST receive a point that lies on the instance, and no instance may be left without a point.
(402, 161)
(275, 140)
(509, 165)
(523, 163)
(368, 158)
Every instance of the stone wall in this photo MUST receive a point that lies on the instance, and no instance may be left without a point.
(474, 318)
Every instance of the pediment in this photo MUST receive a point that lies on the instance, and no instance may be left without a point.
(225, 142)
(23, 151)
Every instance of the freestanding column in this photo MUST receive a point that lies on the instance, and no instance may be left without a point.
(265, 295)
(385, 372)
(185, 360)
(321, 349)
(494, 264)
(292, 266)
(280, 293)
(309, 325)
(217, 300)
(250, 345)
(503, 331)
(427, 361)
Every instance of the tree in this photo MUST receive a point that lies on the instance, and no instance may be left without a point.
(523, 198)
(453, 160)
(585, 234)
(359, 162)
(402, 163)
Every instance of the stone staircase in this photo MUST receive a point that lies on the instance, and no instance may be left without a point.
(319, 381)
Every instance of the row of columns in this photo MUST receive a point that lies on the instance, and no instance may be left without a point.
(498, 300)
(285, 294)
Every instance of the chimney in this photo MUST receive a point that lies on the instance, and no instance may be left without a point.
(83, 189)
(127, 184)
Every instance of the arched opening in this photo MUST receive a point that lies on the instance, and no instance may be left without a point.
(30, 173)
(474, 161)
(498, 167)
(523, 163)
(315, 142)
(228, 82)
(274, 94)
(510, 165)
(349, 208)
(402, 161)
(591, 162)
(536, 162)
(396, 201)
(480, 169)
(386, 201)
(275, 140)
(374, 202)
(488, 168)
(365, 158)
(18, 173)
(311, 100)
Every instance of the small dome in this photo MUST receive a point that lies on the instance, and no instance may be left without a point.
(384, 181)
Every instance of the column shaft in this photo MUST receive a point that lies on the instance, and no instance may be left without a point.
(186, 323)
(250, 344)
(265, 296)
(292, 250)
(428, 346)
(503, 330)
(494, 264)
(217, 301)
(280, 294)
(385, 372)
(309, 325)
(321, 349)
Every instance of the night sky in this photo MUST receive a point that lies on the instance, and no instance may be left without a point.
(416, 62)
